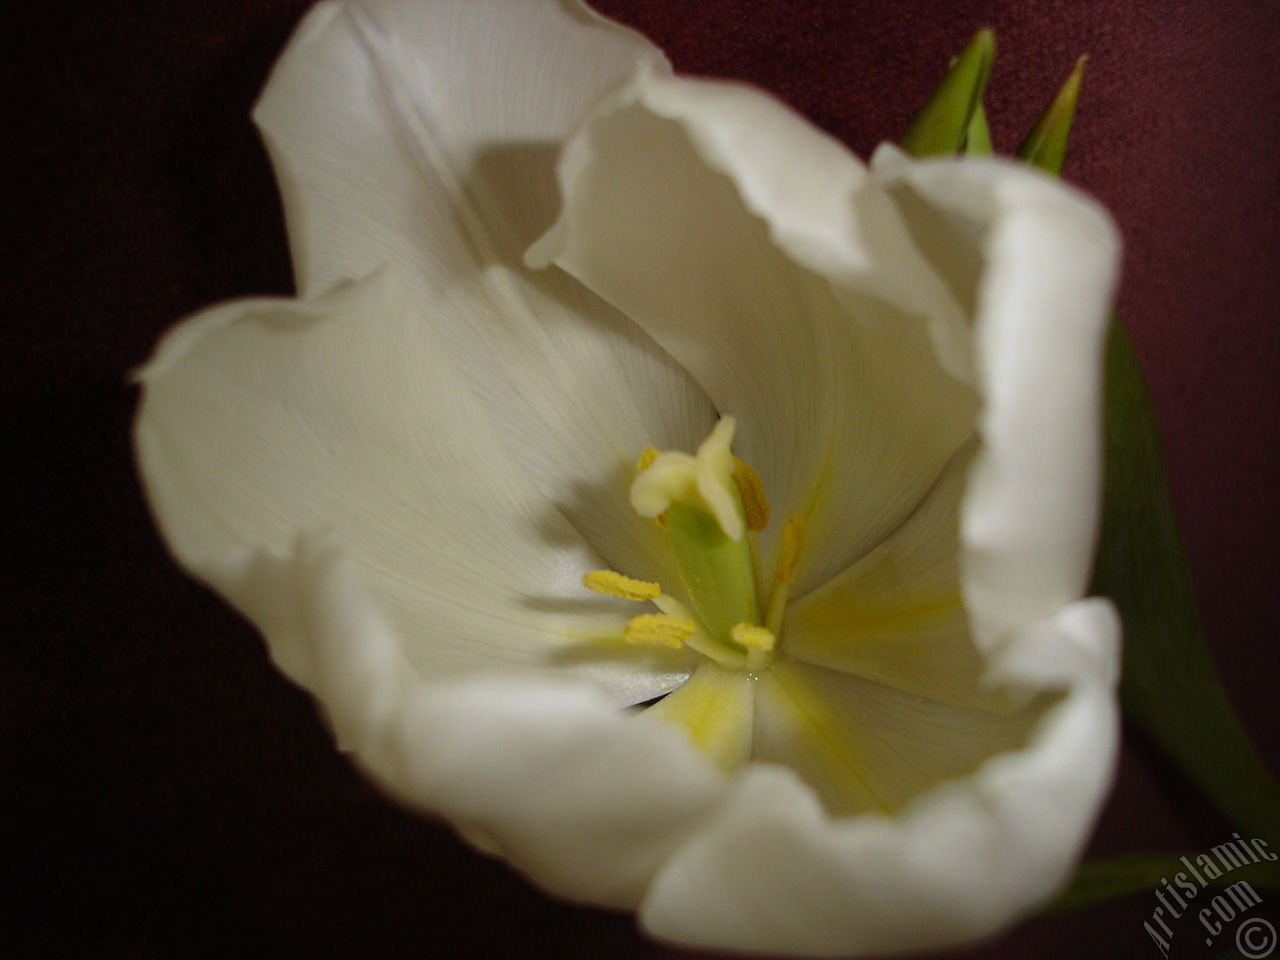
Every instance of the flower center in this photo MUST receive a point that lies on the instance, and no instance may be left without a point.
(711, 505)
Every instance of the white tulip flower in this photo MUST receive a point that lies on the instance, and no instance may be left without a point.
(536, 273)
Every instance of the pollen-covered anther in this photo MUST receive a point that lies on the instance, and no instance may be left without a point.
(659, 629)
(614, 584)
(755, 506)
(753, 636)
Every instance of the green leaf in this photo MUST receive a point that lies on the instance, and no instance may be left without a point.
(1112, 877)
(1046, 144)
(940, 126)
(1170, 689)
(977, 138)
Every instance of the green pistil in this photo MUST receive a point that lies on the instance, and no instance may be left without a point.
(718, 573)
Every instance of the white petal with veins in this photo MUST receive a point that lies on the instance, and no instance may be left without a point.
(758, 252)
(897, 616)
(263, 419)
(1037, 260)
(541, 770)
(399, 140)
(775, 872)
(403, 477)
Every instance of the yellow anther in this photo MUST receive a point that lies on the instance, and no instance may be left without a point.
(753, 637)
(754, 505)
(658, 628)
(789, 554)
(614, 584)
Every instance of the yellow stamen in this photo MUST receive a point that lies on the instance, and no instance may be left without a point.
(792, 544)
(753, 636)
(647, 456)
(614, 584)
(658, 628)
(785, 573)
(755, 506)
(700, 640)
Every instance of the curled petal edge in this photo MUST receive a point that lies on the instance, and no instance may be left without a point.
(549, 775)
(774, 872)
(627, 814)
(1041, 299)
(604, 833)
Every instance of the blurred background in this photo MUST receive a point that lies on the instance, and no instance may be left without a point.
(171, 795)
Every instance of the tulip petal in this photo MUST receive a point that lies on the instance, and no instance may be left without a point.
(774, 872)
(544, 772)
(1035, 261)
(757, 252)
(897, 615)
(264, 419)
(864, 746)
(393, 146)
(583, 799)
(714, 707)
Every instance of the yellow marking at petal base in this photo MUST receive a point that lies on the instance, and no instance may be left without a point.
(715, 707)
(913, 640)
(753, 637)
(904, 615)
(789, 554)
(658, 628)
(824, 748)
(755, 506)
(614, 584)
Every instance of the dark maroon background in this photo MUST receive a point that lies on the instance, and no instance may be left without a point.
(171, 796)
